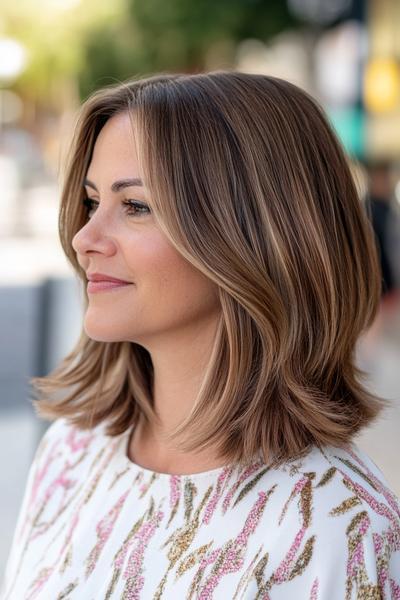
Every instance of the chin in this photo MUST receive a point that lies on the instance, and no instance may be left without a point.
(98, 336)
(101, 331)
(101, 328)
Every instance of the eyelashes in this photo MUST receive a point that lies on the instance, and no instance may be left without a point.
(134, 207)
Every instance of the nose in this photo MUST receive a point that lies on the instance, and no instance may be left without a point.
(93, 238)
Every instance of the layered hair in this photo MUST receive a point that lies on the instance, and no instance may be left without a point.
(250, 184)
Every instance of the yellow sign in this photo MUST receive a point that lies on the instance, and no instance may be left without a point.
(382, 85)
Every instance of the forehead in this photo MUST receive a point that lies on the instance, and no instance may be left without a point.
(117, 135)
(114, 148)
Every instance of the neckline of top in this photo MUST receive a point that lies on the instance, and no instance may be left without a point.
(211, 473)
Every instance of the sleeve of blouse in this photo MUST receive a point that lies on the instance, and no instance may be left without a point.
(358, 561)
(370, 519)
(24, 519)
(381, 561)
(367, 565)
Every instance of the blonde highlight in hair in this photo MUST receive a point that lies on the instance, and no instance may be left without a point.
(250, 184)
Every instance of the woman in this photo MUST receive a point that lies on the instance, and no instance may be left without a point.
(203, 447)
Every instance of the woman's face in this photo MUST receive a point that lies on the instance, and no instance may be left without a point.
(166, 295)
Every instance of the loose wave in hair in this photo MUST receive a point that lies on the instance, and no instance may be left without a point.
(250, 185)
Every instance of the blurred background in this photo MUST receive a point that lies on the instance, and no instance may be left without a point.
(54, 53)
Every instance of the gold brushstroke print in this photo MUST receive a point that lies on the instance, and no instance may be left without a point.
(303, 559)
(357, 470)
(70, 588)
(191, 560)
(117, 477)
(327, 476)
(249, 486)
(303, 482)
(189, 493)
(181, 539)
(345, 506)
(306, 499)
(247, 576)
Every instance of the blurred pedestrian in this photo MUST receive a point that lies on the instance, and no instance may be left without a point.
(379, 207)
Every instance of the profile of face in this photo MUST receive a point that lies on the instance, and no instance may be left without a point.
(166, 295)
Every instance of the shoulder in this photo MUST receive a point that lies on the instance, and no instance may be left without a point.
(63, 433)
(337, 522)
(63, 455)
(343, 482)
(367, 505)
(350, 471)
(56, 439)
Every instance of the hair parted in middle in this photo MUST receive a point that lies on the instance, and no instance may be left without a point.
(249, 183)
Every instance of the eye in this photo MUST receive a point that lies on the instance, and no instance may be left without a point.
(140, 207)
(134, 206)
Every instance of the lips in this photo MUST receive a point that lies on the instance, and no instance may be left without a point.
(100, 282)
(104, 277)
(103, 286)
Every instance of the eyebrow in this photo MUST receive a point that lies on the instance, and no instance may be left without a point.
(117, 185)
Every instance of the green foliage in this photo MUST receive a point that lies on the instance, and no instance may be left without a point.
(98, 42)
(54, 39)
(177, 35)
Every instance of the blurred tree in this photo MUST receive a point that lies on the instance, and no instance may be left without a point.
(53, 33)
(177, 35)
(77, 46)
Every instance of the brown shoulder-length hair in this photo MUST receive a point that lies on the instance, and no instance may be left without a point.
(250, 184)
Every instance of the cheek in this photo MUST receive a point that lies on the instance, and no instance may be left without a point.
(170, 281)
(185, 289)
